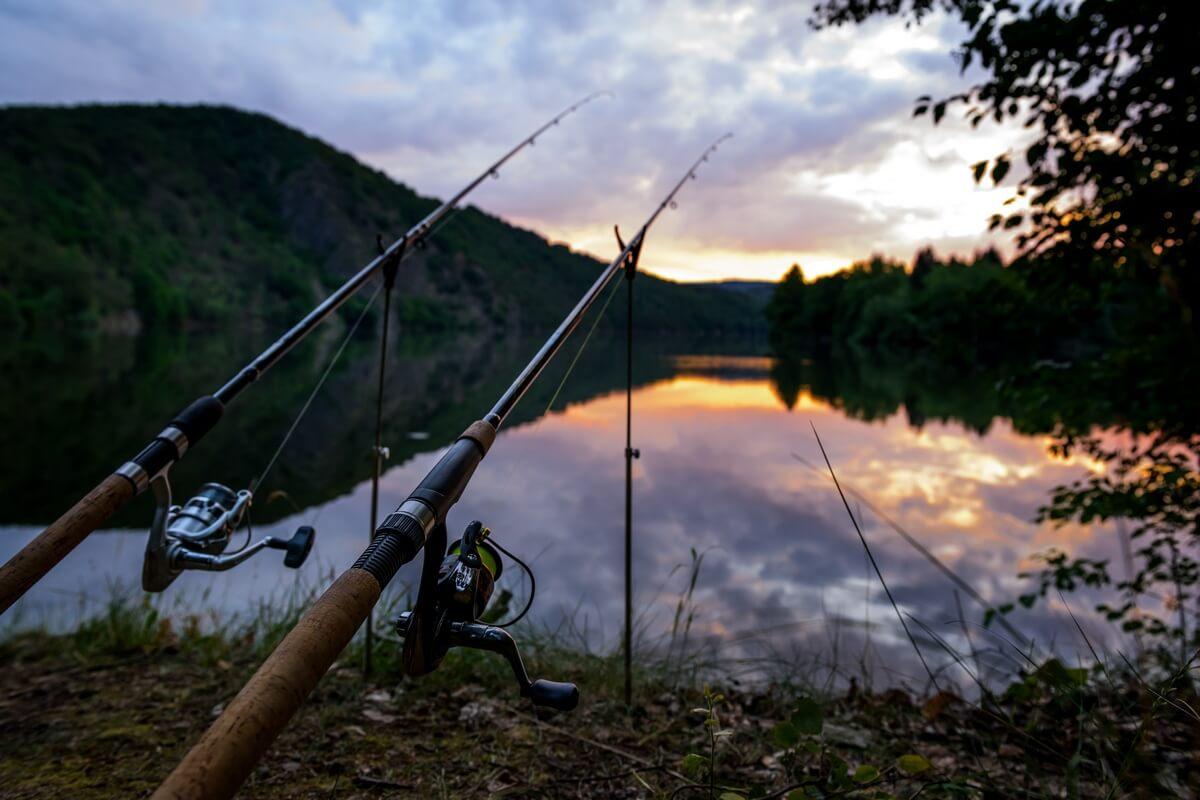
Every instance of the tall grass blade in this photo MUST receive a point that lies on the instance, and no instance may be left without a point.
(929, 556)
(874, 563)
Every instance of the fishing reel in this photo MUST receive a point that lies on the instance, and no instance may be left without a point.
(196, 534)
(453, 596)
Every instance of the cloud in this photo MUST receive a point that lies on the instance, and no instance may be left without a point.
(716, 475)
(429, 92)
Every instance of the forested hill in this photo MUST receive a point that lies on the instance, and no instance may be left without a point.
(126, 216)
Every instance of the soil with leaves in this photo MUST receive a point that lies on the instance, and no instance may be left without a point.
(82, 719)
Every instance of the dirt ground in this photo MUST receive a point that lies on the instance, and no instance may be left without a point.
(116, 728)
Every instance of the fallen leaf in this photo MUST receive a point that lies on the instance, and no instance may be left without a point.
(845, 735)
(937, 704)
(375, 715)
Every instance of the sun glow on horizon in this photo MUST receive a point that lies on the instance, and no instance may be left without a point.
(677, 260)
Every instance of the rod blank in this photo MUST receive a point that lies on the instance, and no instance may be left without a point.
(36, 559)
(520, 386)
(400, 249)
(225, 755)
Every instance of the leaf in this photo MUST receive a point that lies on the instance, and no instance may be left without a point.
(865, 774)
(1077, 675)
(913, 764)
(375, 715)
(978, 169)
(937, 704)
(939, 111)
(808, 717)
(785, 735)
(837, 769)
(1035, 153)
(1019, 692)
(694, 764)
(1000, 170)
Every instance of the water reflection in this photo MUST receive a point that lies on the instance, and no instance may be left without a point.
(784, 574)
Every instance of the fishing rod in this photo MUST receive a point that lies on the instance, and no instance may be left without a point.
(453, 592)
(172, 548)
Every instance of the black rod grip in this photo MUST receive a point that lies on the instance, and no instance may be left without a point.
(403, 533)
(194, 421)
(199, 418)
(397, 542)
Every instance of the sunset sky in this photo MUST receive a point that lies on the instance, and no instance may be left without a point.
(827, 164)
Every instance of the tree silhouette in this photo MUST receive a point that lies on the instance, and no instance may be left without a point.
(1113, 89)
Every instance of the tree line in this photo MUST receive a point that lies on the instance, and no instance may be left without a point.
(978, 311)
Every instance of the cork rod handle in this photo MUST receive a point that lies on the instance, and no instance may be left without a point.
(52, 545)
(223, 758)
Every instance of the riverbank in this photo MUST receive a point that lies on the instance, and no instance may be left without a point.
(109, 709)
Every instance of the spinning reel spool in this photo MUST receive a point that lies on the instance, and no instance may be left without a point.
(452, 598)
(196, 534)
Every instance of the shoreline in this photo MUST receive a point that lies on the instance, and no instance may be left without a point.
(108, 709)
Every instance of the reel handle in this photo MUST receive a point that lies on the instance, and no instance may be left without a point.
(549, 694)
(451, 599)
(553, 694)
(298, 547)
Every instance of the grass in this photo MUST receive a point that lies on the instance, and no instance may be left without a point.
(107, 710)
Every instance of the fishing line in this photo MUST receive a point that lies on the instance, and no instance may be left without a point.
(532, 584)
(254, 484)
(584, 344)
(454, 587)
(441, 224)
(438, 225)
(150, 467)
(249, 535)
(370, 303)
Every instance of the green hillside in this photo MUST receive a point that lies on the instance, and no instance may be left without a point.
(123, 217)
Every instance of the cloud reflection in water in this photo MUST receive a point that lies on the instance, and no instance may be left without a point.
(784, 572)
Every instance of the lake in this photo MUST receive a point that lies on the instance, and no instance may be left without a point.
(729, 468)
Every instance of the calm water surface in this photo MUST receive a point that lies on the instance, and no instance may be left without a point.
(784, 577)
